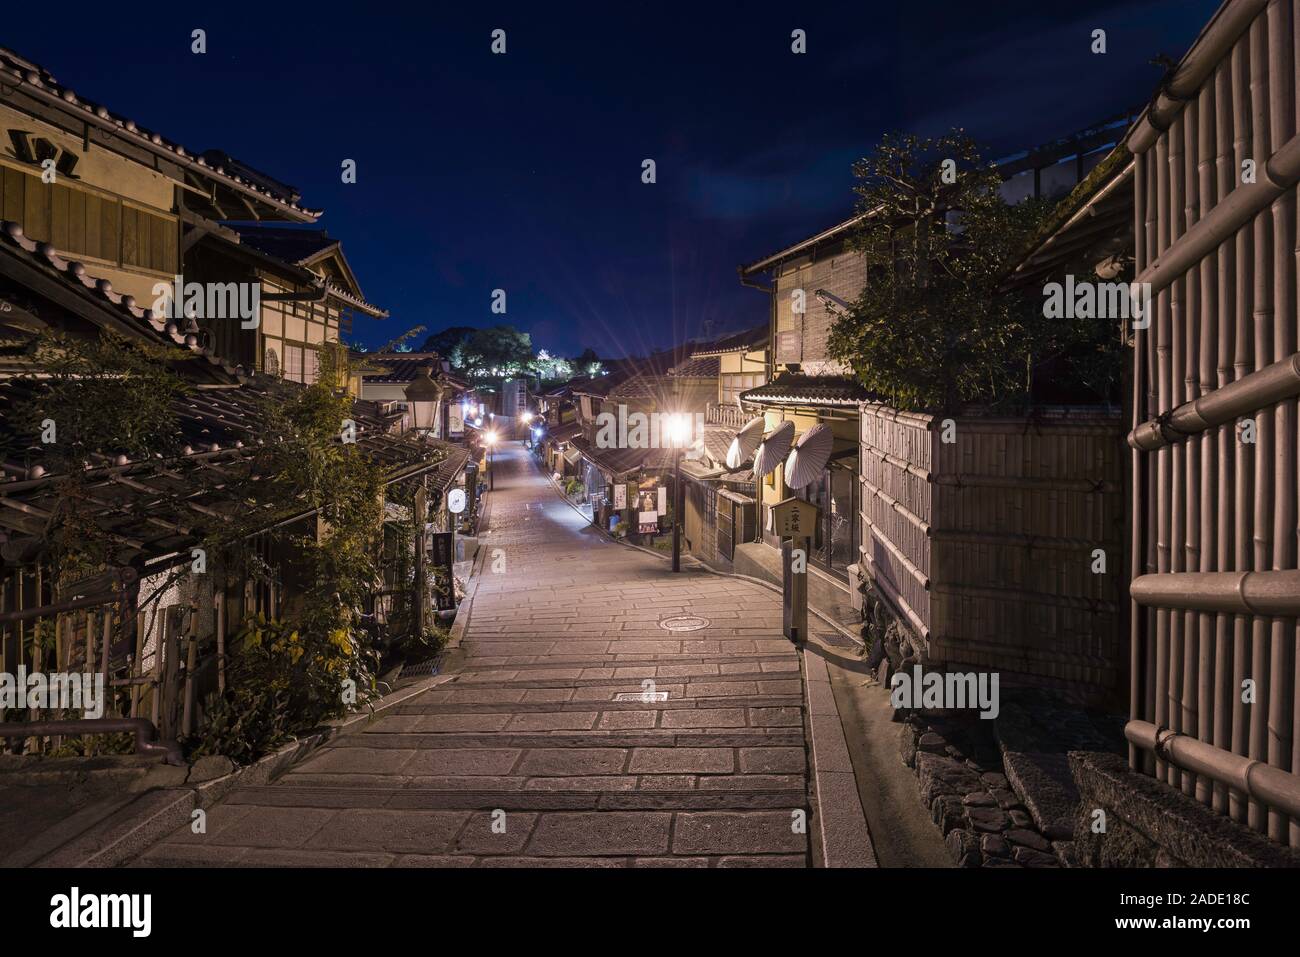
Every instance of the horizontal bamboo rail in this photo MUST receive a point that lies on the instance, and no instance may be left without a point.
(1231, 23)
(146, 734)
(1237, 209)
(1269, 593)
(1262, 782)
(1249, 394)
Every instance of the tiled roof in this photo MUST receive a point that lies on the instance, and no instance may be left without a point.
(152, 507)
(444, 477)
(619, 462)
(706, 367)
(746, 341)
(717, 441)
(398, 366)
(41, 84)
(99, 292)
(792, 389)
(564, 433)
(296, 247)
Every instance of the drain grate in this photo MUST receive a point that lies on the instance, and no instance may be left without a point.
(641, 696)
(837, 640)
(423, 669)
(684, 623)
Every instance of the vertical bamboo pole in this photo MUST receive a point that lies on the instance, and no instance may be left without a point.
(1207, 485)
(191, 662)
(1244, 464)
(1136, 517)
(1226, 174)
(1281, 630)
(160, 629)
(1174, 396)
(1150, 463)
(1294, 436)
(221, 641)
(107, 628)
(1263, 337)
(1191, 465)
(1163, 460)
(137, 665)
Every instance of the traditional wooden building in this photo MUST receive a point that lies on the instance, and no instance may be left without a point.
(308, 294)
(97, 214)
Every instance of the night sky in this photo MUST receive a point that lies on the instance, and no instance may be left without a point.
(523, 171)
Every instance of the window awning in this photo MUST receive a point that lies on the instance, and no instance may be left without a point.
(572, 456)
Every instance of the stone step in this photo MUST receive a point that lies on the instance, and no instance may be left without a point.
(598, 695)
(526, 795)
(249, 835)
(597, 677)
(659, 737)
(516, 702)
(543, 760)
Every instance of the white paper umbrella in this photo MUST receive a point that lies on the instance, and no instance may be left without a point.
(773, 448)
(809, 456)
(745, 443)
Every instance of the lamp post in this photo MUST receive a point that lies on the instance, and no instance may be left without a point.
(677, 429)
(424, 396)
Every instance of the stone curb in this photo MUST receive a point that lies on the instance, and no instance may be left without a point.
(842, 832)
(133, 829)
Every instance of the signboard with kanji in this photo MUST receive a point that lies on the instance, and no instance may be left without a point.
(794, 518)
(620, 496)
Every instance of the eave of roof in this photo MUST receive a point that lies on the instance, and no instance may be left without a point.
(804, 390)
(747, 340)
(40, 83)
(98, 294)
(834, 232)
(1097, 196)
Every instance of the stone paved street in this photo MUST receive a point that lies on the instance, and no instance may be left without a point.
(530, 734)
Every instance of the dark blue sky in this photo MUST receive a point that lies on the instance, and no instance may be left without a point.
(523, 171)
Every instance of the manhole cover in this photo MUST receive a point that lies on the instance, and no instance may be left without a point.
(684, 623)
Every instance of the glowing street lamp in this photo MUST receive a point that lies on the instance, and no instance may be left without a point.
(679, 430)
(490, 438)
(423, 396)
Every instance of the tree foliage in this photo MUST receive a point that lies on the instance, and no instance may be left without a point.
(931, 330)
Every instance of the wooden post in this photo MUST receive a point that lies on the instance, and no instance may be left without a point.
(221, 641)
(421, 583)
(794, 521)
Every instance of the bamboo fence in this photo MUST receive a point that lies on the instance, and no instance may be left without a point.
(1214, 443)
(987, 544)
